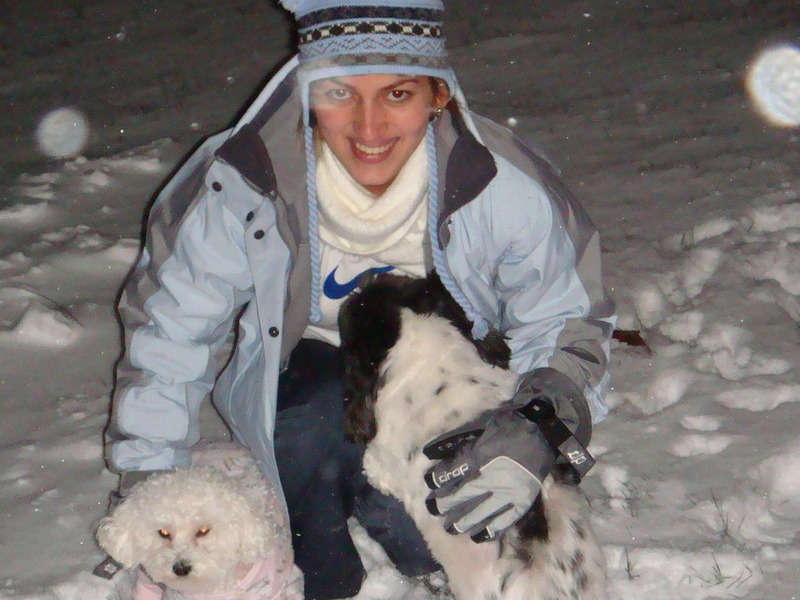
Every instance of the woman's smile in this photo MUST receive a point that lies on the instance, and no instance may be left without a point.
(371, 153)
(373, 123)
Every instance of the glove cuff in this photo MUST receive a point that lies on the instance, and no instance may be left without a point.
(558, 436)
(128, 479)
(563, 395)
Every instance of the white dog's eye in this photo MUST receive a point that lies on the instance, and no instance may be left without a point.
(202, 531)
(165, 534)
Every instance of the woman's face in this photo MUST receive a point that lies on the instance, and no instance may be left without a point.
(373, 123)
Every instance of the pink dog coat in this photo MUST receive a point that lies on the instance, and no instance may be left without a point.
(265, 580)
(275, 577)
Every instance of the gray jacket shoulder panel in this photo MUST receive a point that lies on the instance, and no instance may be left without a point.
(245, 151)
(470, 166)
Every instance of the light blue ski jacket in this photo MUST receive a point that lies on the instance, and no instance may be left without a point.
(227, 250)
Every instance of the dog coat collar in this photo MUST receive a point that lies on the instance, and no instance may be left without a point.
(263, 581)
(146, 589)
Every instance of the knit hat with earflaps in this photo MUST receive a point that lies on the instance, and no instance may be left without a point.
(358, 37)
(339, 38)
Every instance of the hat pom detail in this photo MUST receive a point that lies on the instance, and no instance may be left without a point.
(292, 5)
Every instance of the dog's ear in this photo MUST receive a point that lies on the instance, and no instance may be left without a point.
(117, 540)
(369, 325)
(128, 534)
(361, 385)
(363, 360)
(255, 535)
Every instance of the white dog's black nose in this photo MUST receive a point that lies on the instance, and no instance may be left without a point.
(181, 568)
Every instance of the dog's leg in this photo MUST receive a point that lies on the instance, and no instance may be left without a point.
(568, 564)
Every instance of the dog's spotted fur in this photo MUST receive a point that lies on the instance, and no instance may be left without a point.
(412, 373)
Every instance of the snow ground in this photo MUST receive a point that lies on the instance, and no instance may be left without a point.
(697, 490)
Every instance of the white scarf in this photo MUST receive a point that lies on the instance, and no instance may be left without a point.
(390, 227)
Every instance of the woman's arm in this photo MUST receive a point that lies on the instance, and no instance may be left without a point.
(177, 308)
(535, 266)
(554, 307)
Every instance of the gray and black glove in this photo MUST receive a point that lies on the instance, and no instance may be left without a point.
(490, 471)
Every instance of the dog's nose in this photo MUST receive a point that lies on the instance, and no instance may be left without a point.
(181, 568)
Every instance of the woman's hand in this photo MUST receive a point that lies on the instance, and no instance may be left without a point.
(490, 473)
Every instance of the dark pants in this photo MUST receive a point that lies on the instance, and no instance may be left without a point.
(324, 484)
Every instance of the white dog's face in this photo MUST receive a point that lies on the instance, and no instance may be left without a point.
(192, 530)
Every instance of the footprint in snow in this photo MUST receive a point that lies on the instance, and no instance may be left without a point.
(699, 445)
(700, 423)
(761, 398)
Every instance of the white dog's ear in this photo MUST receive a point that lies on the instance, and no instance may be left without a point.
(256, 538)
(252, 546)
(256, 532)
(117, 541)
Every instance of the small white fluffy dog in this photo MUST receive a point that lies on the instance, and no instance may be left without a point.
(413, 373)
(212, 531)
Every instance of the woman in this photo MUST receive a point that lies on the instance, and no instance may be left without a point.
(360, 155)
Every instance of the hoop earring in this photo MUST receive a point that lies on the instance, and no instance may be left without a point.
(435, 114)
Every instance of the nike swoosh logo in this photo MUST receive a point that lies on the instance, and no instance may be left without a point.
(335, 290)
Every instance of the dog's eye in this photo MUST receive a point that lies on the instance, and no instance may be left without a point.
(202, 531)
(165, 534)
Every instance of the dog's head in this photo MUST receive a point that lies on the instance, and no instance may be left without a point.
(370, 323)
(190, 529)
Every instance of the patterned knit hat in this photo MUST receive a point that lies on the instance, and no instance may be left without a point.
(356, 37)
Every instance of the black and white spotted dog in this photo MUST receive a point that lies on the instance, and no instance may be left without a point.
(412, 373)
